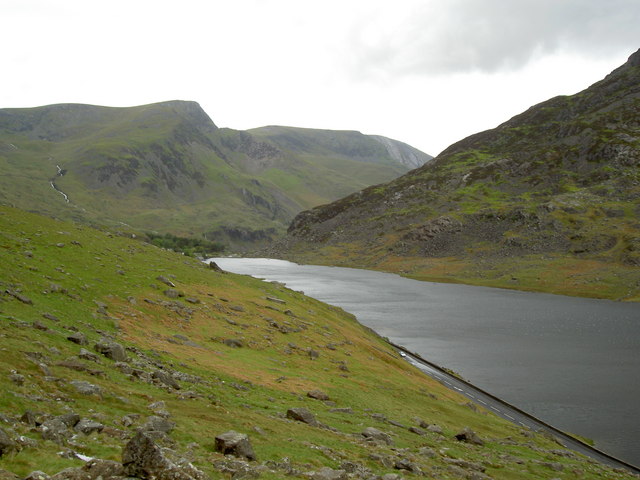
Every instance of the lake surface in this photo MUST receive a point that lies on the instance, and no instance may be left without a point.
(572, 362)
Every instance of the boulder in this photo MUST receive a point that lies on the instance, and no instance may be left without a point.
(236, 444)
(377, 435)
(302, 415)
(111, 350)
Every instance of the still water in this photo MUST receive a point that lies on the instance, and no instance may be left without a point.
(572, 362)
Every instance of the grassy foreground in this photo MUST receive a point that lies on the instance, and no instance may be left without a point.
(242, 351)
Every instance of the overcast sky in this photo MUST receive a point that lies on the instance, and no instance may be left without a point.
(424, 72)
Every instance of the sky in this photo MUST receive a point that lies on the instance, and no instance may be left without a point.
(428, 72)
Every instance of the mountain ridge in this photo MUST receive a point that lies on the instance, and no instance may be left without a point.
(559, 180)
(167, 167)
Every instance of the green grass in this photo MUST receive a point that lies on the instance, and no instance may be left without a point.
(241, 388)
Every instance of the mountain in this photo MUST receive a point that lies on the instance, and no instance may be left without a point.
(167, 167)
(549, 201)
(123, 360)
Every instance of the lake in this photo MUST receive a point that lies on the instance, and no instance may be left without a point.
(572, 362)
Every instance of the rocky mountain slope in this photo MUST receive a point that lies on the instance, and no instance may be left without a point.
(167, 167)
(122, 360)
(549, 200)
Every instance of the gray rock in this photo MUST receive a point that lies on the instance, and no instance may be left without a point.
(327, 473)
(69, 419)
(86, 388)
(173, 293)
(158, 424)
(405, 464)
(233, 342)
(302, 415)
(31, 418)
(417, 431)
(166, 281)
(112, 350)
(427, 452)
(166, 378)
(318, 395)
(236, 444)
(434, 428)
(79, 338)
(378, 435)
(87, 355)
(17, 378)
(7, 444)
(37, 475)
(469, 436)
(142, 458)
(88, 426)
(94, 469)
(55, 430)
(342, 410)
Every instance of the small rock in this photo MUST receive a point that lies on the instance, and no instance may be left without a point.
(86, 388)
(37, 475)
(78, 337)
(236, 444)
(55, 430)
(166, 378)
(112, 350)
(417, 431)
(87, 426)
(233, 342)
(375, 434)
(87, 355)
(17, 378)
(166, 281)
(7, 444)
(142, 458)
(318, 395)
(327, 473)
(69, 419)
(158, 424)
(469, 436)
(302, 415)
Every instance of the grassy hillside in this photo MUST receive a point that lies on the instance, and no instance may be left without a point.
(166, 167)
(547, 201)
(207, 352)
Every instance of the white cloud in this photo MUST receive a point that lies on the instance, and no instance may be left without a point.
(424, 72)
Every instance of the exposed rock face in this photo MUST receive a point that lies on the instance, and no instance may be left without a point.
(236, 444)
